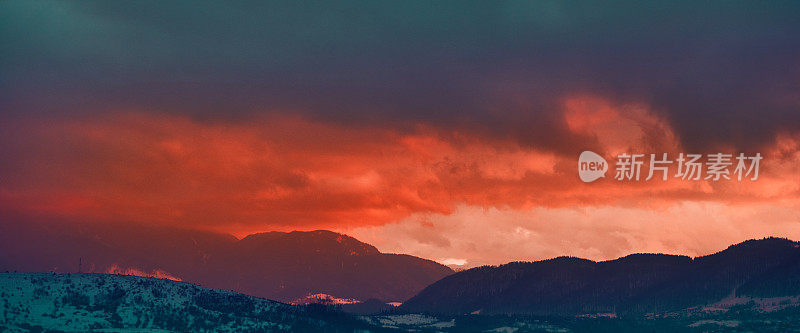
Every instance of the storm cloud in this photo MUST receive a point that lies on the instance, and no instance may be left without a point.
(719, 73)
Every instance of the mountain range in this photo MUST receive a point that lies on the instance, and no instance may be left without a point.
(635, 284)
(274, 265)
(298, 267)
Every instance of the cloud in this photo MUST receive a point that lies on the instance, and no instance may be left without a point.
(453, 262)
(274, 172)
(492, 236)
(719, 74)
(281, 172)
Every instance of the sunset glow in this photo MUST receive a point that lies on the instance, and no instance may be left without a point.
(452, 137)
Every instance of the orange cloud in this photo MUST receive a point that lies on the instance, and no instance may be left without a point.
(283, 172)
(620, 128)
(267, 173)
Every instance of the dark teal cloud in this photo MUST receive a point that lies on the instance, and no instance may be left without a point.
(720, 71)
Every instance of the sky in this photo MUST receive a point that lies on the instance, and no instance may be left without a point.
(446, 130)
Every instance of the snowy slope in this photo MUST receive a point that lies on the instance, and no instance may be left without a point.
(115, 303)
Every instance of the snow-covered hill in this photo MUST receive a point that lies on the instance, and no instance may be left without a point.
(37, 302)
(115, 303)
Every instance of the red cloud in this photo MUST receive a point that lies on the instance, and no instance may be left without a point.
(282, 172)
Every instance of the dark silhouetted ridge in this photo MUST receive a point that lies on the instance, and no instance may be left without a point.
(637, 283)
(284, 266)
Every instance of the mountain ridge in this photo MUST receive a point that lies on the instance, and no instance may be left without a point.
(633, 283)
(277, 265)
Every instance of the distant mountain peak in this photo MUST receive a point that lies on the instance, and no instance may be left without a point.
(316, 240)
(276, 265)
